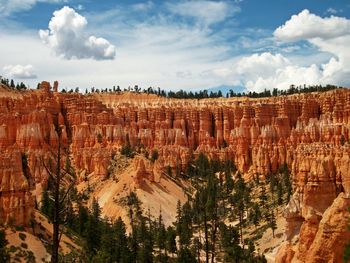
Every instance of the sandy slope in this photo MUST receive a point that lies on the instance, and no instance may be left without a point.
(268, 244)
(111, 194)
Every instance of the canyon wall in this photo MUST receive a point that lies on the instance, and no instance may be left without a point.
(309, 132)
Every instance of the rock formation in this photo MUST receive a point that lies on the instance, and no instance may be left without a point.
(309, 132)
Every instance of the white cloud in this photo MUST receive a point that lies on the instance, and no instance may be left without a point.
(68, 38)
(284, 77)
(163, 50)
(80, 7)
(10, 6)
(19, 71)
(262, 65)
(332, 10)
(306, 25)
(206, 12)
(330, 34)
(143, 6)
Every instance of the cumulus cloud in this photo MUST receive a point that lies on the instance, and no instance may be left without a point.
(306, 25)
(207, 12)
(284, 77)
(261, 65)
(10, 6)
(330, 34)
(68, 38)
(19, 71)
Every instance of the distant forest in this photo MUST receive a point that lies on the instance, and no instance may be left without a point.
(182, 94)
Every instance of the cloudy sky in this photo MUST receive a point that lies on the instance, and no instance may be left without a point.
(191, 45)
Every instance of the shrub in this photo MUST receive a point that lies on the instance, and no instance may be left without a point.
(154, 156)
(22, 236)
(99, 138)
(24, 245)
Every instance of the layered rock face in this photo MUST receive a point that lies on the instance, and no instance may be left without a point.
(27, 132)
(308, 132)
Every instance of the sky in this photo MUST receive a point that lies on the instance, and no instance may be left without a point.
(248, 45)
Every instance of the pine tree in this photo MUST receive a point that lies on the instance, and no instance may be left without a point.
(96, 210)
(4, 255)
(279, 194)
(185, 255)
(122, 252)
(346, 256)
(255, 215)
(61, 183)
(161, 235)
(240, 198)
(46, 204)
(107, 250)
(93, 229)
(145, 253)
(272, 223)
(230, 243)
(83, 216)
(263, 197)
(170, 240)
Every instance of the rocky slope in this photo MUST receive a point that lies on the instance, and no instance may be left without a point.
(309, 132)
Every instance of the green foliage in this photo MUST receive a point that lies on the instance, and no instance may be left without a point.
(24, 245)
(185, 255)
(4, 255)
(47, 204)
(22, 236)
(99, 138)
(154, 155)
(170, 240)
(255, 214)
(203, 94)
(220, 194)
(230, 243)
(126, 149)
(342, 140)
(272, 222)
(346, 256)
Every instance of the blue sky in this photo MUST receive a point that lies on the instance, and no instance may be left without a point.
(191, 45)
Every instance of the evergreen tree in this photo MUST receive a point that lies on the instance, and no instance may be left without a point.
(272, 223)
(4, 255)
(96, 210)
(230, 243)
(255, 215)
(240, 200)
(46, 204)
(263, 197)
(279, 194)
(184, 225)
(185, 255)
(122, 252)
(154, 155)
(287, 182)
(107, 250)
(171, 240)
(83, 216)
(93, 229)
(161, 236)
(346, 257)
(61, 182)
(145, 252)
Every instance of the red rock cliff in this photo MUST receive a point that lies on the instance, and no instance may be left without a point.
(309, 132)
